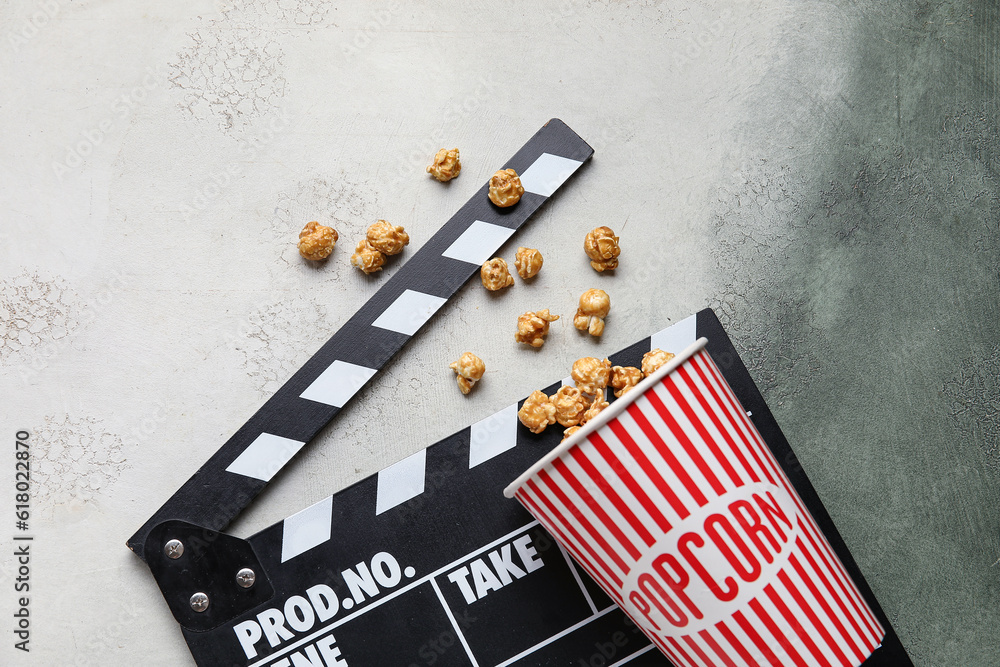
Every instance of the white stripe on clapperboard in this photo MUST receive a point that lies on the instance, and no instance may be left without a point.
(491, 437)
(409, 312)
(401, 481)
(306, 529)
(547, 173)
(265, 456)
(478, 243)
(338, 383)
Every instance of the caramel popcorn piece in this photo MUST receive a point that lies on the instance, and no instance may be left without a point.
(653, 359)
(623, 378)
(470, 369)
(601, 246)
(595, 407)
(591, 375)
(446, 165)
(386, 238)
(505, 188)
(594, 307)
(570, 431)
(532, 327)
(528, 262)
(316, 241)
(570, 405)
(367, 258)
(495, 275)
(537, 412)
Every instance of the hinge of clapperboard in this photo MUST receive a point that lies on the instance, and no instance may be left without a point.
(209, 578)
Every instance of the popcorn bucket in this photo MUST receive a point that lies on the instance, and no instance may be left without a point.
(673, 503)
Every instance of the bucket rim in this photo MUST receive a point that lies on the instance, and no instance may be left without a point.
(606, 415)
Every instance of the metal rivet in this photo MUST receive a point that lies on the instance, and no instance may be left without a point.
(199, 602)
(174, 549)
(246, 577)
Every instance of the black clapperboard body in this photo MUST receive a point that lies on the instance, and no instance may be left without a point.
(426, 562)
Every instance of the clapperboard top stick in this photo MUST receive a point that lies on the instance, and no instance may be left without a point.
(306, 403)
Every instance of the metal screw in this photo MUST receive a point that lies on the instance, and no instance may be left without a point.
(246, 577)
(174, 549)
(199, 602)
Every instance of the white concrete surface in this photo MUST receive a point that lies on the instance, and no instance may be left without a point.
(160, 158)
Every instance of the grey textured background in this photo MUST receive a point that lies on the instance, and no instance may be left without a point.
(823, 174)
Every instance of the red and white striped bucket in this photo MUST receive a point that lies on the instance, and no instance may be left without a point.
(674, 504)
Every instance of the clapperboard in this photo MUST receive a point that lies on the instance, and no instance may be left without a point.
(425, 563)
